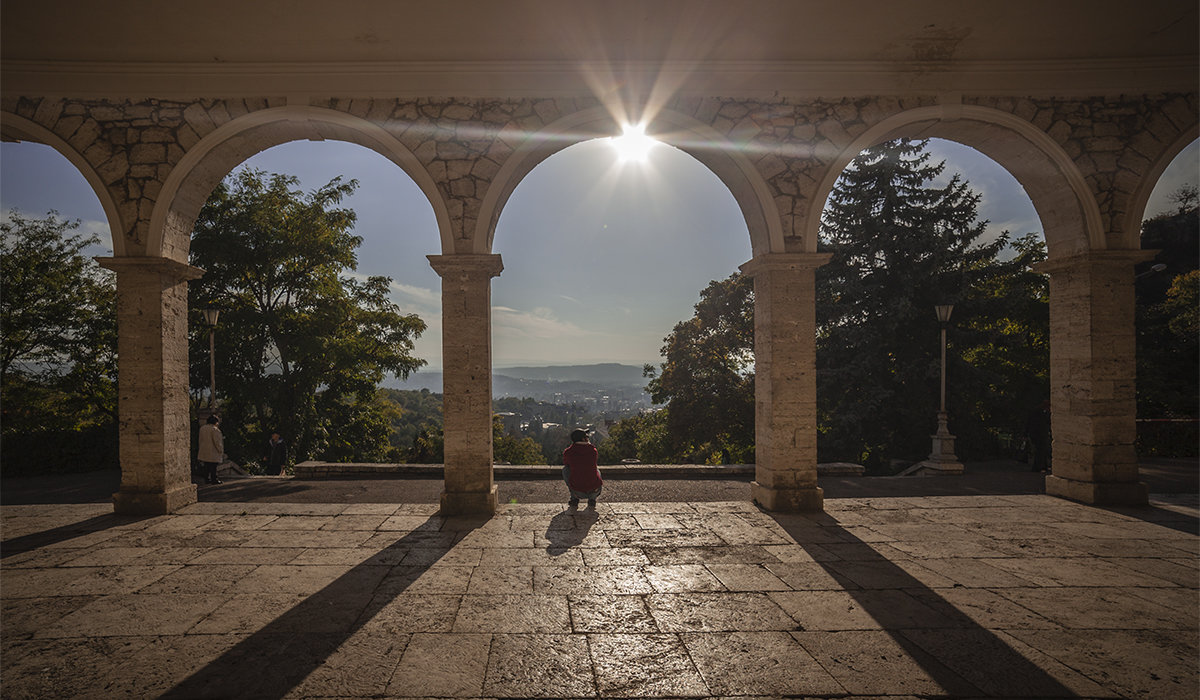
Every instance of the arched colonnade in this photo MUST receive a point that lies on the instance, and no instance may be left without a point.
(1088, 165)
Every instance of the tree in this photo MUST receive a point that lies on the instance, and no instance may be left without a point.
(414, 411)
(1002, 352)
(900, 246)
(302, 342)
(58, 341)
(1167, 355)
(58, 327)
(642, 437)
(707, 377)
(513, 449)
(428, 445)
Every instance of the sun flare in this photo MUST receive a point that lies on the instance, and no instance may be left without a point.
(633, 144)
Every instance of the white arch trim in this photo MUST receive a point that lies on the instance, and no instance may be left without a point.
(953, 112)
(386, 145)
(26, 130)
(579, 127)
(1141, 196)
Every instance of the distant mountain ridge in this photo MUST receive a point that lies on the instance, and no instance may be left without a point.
(610, 373)
(509, 380)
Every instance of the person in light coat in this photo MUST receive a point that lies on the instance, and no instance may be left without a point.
(212, 449)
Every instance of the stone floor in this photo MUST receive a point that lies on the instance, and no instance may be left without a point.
(962, 596)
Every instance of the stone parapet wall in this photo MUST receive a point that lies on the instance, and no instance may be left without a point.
(337, 470)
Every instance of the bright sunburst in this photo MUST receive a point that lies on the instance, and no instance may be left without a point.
(633, 144)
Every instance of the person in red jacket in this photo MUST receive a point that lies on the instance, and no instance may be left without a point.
(580, 470)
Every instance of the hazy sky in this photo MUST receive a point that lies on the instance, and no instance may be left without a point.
(601, 256)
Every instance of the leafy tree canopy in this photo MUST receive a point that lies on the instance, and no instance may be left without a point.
(707, 377)
(514, 449)
(1168, 357)
(302, 341)
(57, 328)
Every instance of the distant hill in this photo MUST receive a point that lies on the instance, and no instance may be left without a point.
(608, 373)
(557, 383)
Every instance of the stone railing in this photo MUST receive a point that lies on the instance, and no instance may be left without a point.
(336, 470)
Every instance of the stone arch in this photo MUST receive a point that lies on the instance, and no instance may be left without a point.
(213, 157)
(16, 128)
(1065, 204)
(1141, 195)
(695, 138)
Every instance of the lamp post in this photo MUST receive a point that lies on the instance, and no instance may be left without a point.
(210, 317)
(943, 316)
(942, 459)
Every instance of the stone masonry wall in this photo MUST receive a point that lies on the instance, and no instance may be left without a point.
(1113, 141)
(463, 143)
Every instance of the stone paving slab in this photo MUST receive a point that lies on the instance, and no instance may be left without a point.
(937, 596)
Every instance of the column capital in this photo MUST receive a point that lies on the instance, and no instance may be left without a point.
(770, 262)
(1094, 258)
(486, 263)
(166, 267)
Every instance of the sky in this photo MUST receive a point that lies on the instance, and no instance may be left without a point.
(602, 256)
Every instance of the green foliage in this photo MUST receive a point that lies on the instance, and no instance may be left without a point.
(513, 449)
(428, 446)
(642, 437)
(57, 348)
(1181, 308)
(707, 378)
(415, 412)
(1168, 357)
(365, 428)
(900, 246)
(1001, 352)
(302, 342)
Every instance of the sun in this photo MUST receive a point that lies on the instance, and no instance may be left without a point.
(633, 144)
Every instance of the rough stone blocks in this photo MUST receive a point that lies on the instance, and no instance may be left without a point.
(469, 502)
(1120, 493)
(788, 500)
(154, 503)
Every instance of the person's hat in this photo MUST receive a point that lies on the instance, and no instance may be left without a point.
(579, 435)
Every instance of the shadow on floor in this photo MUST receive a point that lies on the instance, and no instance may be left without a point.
(45, 538)
(274, 660)
(962, 657)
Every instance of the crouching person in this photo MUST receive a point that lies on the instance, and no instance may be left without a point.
(580, 470)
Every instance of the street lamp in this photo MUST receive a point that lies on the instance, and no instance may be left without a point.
(1154, 270)
(942, 459)
(210, 317)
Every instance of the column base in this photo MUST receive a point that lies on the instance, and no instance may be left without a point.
(788, 500)
(933, 467)
(1098, 493)
(469, 502)
(153, 503)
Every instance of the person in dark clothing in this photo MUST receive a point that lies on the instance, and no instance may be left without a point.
(580, 471)
(1037, 429)
(276, 455)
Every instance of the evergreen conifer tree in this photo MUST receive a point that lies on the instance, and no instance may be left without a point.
(902, 244)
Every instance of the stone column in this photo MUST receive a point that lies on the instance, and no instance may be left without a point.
(785, 383)
(1093, 378)
(467, 380)
(152, 384)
